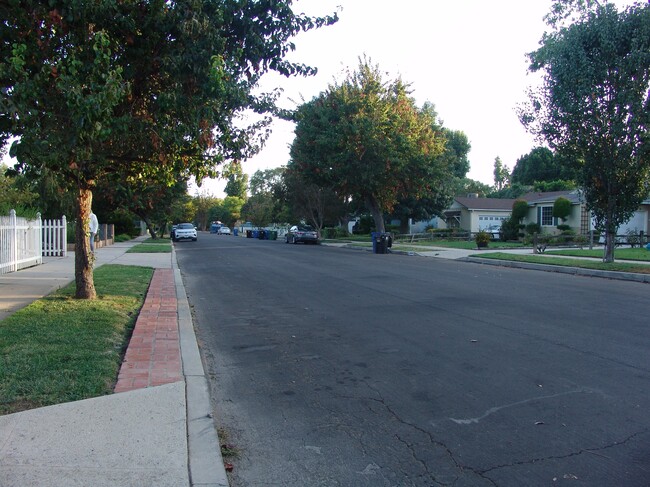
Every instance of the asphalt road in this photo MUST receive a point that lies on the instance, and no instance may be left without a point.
(335, 367)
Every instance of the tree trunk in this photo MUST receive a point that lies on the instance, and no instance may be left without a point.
(609, 246)
(83, 258)
(404, 227)
(152, 230)
(377, 214)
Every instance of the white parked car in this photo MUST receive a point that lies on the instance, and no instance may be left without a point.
(224, 230)
(494, 231)
(185, 231)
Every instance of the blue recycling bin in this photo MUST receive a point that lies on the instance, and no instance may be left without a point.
(256, 234)
(235, 232)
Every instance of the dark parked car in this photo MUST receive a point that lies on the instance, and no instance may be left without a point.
(301, 233)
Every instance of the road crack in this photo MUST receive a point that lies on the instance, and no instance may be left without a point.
(437, 443)
(593, 451)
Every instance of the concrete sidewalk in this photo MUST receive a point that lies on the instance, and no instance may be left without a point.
(152, 434)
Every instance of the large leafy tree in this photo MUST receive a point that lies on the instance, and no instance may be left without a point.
(366, 139)
(319, 206)
(151, 201)
(12, 195)
(237, 180)
(268, 193)
(593, 104)
(540, 164)
(501, 175)
(146, 90)
(438, 198)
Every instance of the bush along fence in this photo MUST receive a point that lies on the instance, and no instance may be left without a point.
(105, 235)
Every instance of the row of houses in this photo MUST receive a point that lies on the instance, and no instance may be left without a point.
(473, 214)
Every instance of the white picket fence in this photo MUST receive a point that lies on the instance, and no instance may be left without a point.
(54, 234)
(24, 243)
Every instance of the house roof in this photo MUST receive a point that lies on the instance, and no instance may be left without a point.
(485, 203)
(505, 204)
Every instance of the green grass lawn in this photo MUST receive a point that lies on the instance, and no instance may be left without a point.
(563, 261)
(151, 246)
(641, 254)
(61, 349)
(462, 244)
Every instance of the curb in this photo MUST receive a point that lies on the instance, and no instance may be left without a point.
(206, 466)
(576, 271)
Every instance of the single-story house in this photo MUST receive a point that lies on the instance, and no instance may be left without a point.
(541, 211)
(474, 214)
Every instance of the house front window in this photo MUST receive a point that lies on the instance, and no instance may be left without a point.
(547, 216)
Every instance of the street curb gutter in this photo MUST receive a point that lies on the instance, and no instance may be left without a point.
(206, 466)
(576, 271)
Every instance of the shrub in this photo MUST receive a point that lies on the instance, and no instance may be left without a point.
(561, 208)
(580, 240)
(122, 237)
(335, 232)
(533, 228)
(509, 229)
(633, 238)
(519, 210)
(482, 238)
(365, 225)
(70, 232)
(564, 228)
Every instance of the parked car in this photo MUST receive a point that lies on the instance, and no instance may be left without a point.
(223, 230)
(494, 231)
(301, 233)
(185, 231)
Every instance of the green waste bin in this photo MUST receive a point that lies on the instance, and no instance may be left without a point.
(273, 235)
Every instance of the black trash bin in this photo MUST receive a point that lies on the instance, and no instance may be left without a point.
(379, 243)
(389, 241)
(249, 233)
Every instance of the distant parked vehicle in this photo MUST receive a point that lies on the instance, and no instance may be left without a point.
(185, 231)
(494, 231)
(301, 233)
(224, 230)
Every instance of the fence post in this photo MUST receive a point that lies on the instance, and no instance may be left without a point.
(13, 241)
(64, 236)
(39, 245)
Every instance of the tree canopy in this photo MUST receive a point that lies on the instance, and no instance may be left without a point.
(146, 91)
(541, 165)
(367, 140)
(594, 104)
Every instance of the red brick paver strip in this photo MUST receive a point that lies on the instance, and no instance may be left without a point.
(153, 356)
